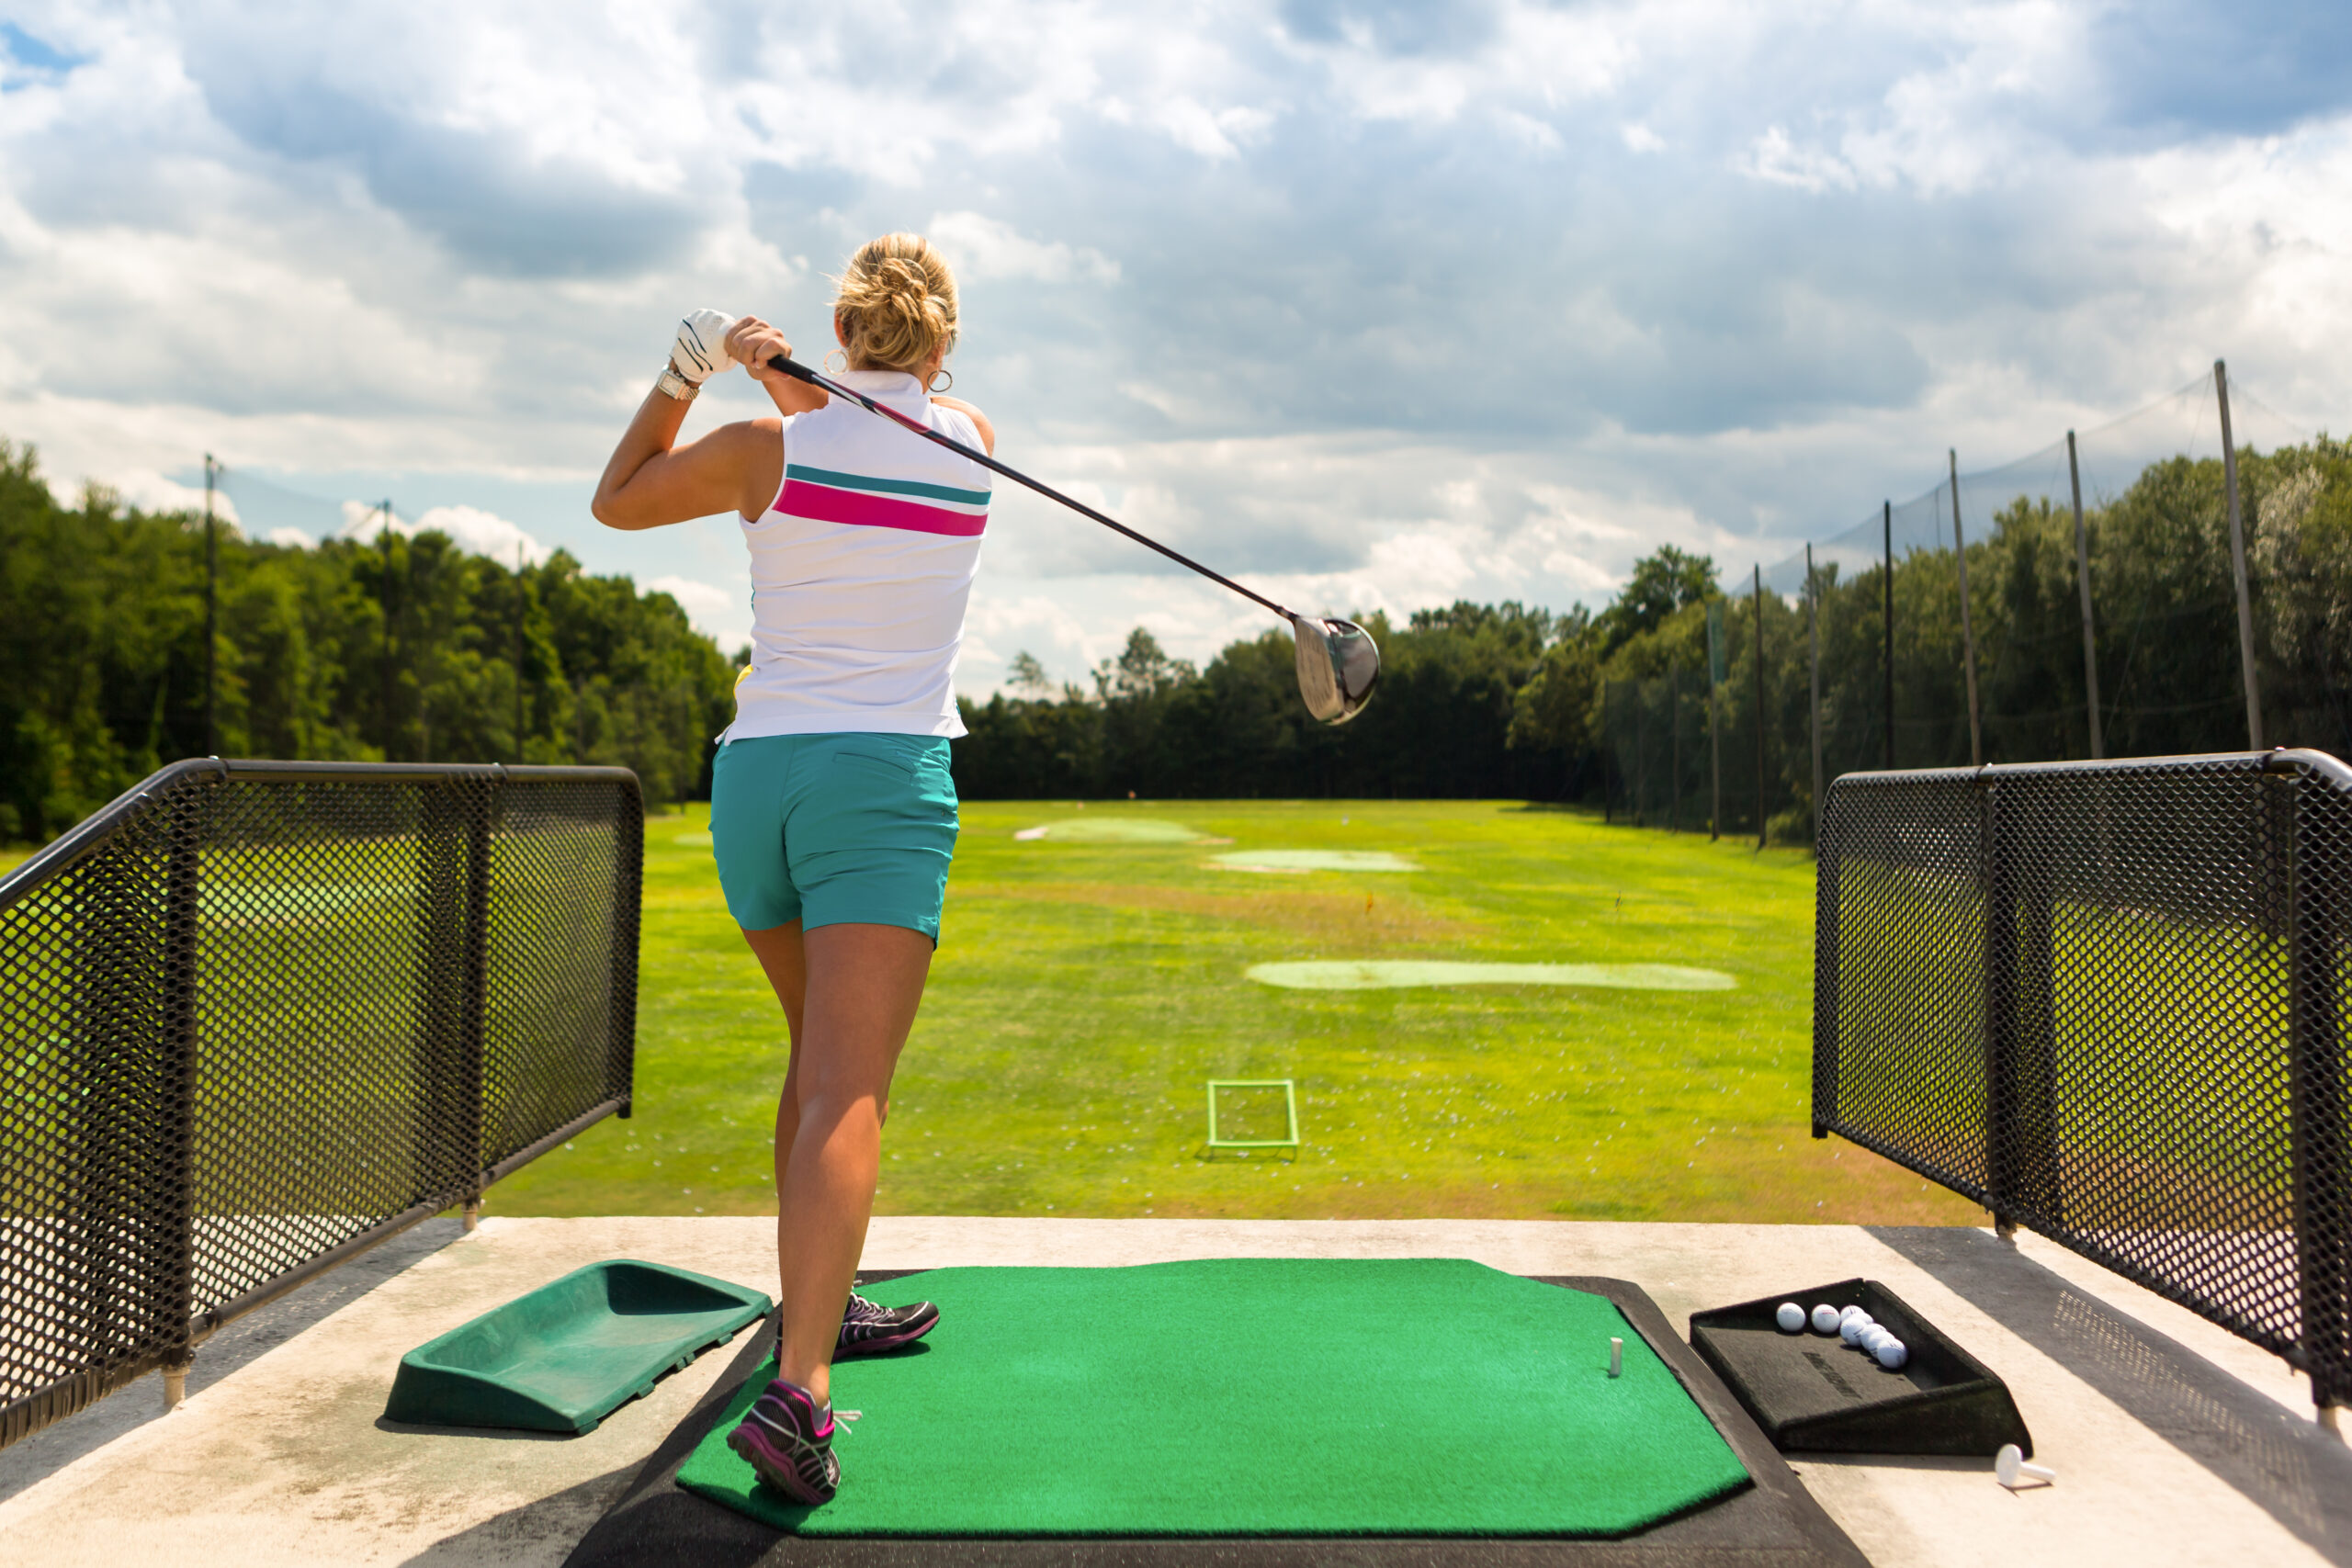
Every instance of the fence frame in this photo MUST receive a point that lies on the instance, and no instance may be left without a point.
(181, 792)
(2306, 899)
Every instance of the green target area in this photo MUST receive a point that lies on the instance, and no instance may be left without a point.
(1314, 860)
(1375, 974)
(1109, 830)
(1259, 1396)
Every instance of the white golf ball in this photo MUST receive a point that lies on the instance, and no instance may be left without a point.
(1791, 1317)
(1871, 1338)
(1855, 1326)
(1891, 1352)
(1845, 1313)
(1825, 1319)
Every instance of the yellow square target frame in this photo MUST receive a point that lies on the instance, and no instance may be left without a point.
(1290, 1106)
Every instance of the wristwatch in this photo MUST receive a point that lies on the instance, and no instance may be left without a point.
(672, 384)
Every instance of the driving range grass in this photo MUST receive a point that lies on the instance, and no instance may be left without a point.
(1088, 987)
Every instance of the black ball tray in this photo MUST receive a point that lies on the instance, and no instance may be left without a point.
(1813, 1392)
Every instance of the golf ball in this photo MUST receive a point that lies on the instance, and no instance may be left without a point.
(1871, 1337)
(1825, 1319)
(1855, 1326)
(1891, 1352)
(1791, 1317)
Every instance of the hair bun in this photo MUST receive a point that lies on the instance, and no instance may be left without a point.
(896, 305)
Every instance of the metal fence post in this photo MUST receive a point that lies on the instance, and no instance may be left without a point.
(1813, 648)
(2000, 928)
(480, 807)
(1827, 908)
(175, 1128)
(2083, 581)
(2237, 566)
(2308, 878)
(1757, 600)
(1886, 627)
(1967, 627)
(628, 883)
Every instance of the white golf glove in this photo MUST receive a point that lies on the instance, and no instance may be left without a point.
(700, 351)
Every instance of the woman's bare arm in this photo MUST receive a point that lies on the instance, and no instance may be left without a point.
(652, 481)
(987, 431)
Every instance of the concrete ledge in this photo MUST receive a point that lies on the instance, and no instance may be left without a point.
(2173, 1442)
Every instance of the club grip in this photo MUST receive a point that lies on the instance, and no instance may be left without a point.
(792, 368)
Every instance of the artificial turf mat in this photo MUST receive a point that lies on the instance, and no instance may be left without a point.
(1250, 1397)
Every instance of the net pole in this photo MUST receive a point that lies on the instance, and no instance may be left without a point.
(1758, 603)
(1674, 755)
(522, 610)
(2237, 565)
(1714, 725)
(212, 616)
(1887, 618)
(1608, 743)
(2083, 581)
(1813, 648)
(1967, 630)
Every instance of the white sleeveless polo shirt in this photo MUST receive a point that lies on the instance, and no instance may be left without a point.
(861, 569)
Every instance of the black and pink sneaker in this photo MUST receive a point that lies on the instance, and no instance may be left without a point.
(869, 1328)
(787, 1438)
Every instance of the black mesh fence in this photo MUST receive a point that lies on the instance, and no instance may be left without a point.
(2106, 1001)
(257, 1016)
(2104, 631)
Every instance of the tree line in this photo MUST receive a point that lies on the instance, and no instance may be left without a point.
(1509, 700)
(411, 649)
(400, 650)
(2165, 639)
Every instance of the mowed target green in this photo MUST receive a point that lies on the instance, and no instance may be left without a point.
(1092, 980)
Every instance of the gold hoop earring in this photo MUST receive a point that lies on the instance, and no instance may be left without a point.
(833, 353)
(951, 380)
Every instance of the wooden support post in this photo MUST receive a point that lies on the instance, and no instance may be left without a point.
(2237, 566)
(1967, 627)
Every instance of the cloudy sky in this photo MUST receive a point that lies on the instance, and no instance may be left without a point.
(1378, 304)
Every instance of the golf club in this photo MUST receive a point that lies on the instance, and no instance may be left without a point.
(1339, 663)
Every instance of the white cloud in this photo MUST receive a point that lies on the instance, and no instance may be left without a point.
(1370, 302)
(470, 527)
(984, 247)
(290, 538)
(718, 613)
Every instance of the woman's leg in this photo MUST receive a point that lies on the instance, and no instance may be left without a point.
(779, 952)
(859, 985)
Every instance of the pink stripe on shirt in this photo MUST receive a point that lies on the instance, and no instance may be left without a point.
(826, 504)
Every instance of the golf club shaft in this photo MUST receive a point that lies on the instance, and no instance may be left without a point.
(799, 372)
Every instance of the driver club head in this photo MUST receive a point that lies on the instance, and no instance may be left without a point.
(1339, 664)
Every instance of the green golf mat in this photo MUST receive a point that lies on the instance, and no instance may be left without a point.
(1249, 1397)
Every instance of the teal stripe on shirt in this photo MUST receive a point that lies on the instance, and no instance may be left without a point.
(889, 487)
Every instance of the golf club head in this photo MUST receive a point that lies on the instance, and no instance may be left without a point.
(1339, 664)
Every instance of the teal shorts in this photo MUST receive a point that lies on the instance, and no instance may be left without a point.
(833, 829)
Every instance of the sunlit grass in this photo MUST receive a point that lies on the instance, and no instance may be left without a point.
(1086, 991)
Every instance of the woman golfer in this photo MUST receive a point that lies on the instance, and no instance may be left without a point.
(833, 814)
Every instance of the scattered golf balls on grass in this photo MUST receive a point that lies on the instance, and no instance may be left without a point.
(1825, 1319)
(1791, 1317)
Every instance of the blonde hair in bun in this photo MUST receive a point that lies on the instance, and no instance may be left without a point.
(896, 305)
